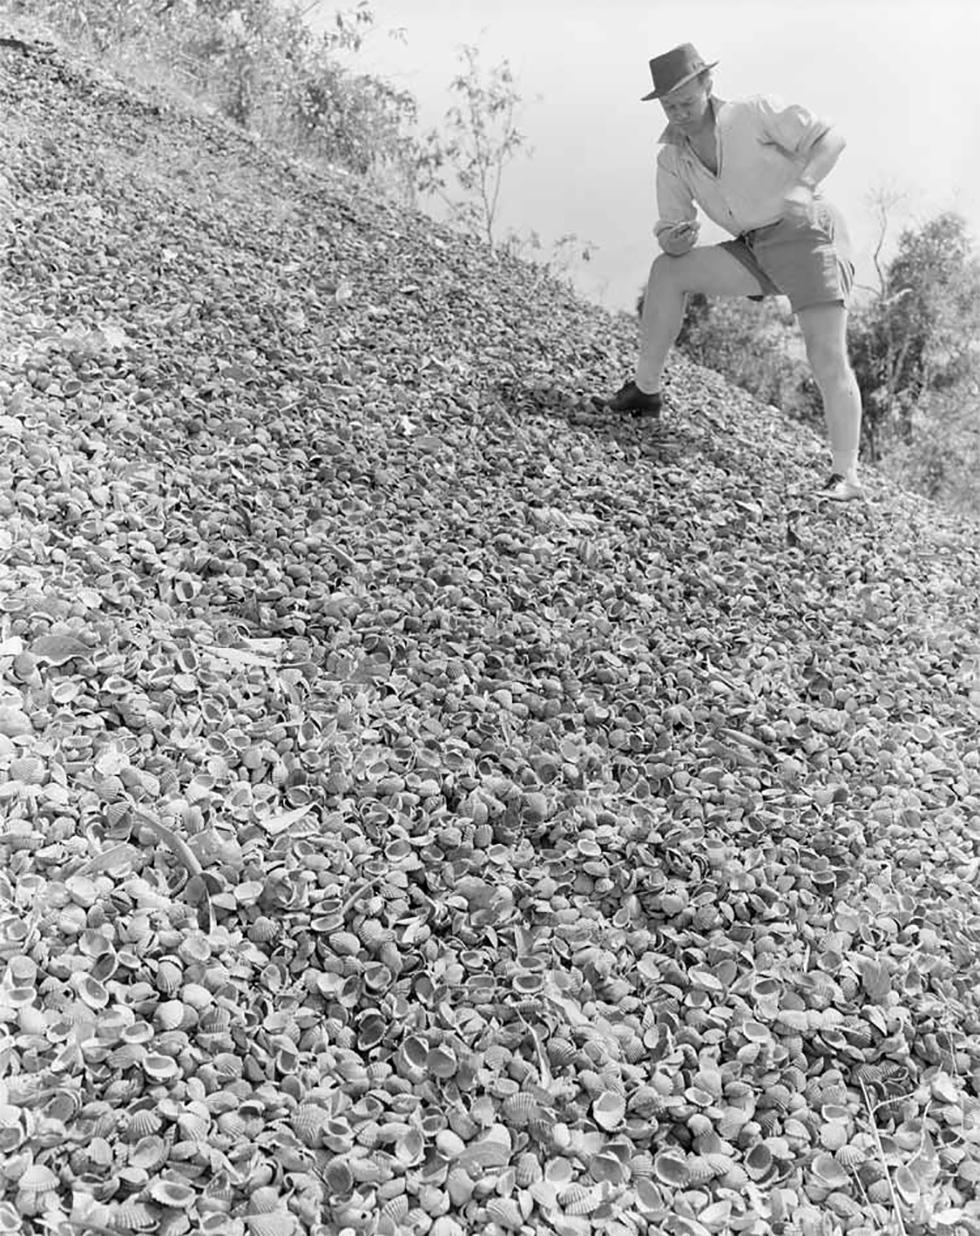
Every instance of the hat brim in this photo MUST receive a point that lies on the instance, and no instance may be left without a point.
(659, 94)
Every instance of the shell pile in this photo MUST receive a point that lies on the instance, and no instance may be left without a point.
(427, 807)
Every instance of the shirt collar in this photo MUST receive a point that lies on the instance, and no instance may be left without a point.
(672, 136)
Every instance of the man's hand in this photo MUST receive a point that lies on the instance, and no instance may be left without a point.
(679, 239)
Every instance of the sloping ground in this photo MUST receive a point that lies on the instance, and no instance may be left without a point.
(426, 806)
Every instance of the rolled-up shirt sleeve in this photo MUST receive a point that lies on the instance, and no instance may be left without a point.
(675, 202)
(793, 128)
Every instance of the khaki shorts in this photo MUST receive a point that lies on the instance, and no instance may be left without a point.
(806, 260)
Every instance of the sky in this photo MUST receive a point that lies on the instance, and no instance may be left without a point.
(895, 76)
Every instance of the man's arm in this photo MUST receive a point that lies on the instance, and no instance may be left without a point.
(811, 144)
(821, 157)
(677, 228)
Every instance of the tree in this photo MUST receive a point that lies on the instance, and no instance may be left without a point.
(483, 139)
(916, 336)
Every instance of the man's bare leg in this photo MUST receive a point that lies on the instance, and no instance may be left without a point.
(710, 270)
(825, 333)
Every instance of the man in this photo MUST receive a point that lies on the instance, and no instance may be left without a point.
(753, 167)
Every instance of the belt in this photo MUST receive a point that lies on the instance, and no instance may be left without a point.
(749, 235)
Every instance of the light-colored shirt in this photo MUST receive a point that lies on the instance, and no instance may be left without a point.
(761, 149)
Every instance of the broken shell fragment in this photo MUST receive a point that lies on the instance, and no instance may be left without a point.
(608, 1110)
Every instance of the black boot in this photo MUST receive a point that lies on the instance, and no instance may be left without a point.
(629, 398)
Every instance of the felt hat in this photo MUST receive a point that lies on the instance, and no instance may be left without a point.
(675, 68)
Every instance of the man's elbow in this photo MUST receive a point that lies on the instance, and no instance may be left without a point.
(833, 140)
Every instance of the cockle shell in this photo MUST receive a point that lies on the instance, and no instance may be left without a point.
(609, 1109)
(30, 1020)
(635, 1050)
(519, 1109)
(559, 1172)
(699, 1170)
(177, 1222)
(564, 1089)
(590, 1080)
(641, 1164)
(759, 1161)
(37, 1179)
(648, 1195)
(307, 1122)
(263, 930)
(169, 977)
(171, 1193)
(488, 1150)
(170, 1014)
(579, 1199)
(607, 1166)
(271, 1223)
(879, 1191)
(148, 1153)
(858, 1035)
(194, 948)
(63, 1105)
(736, 1177)
(441, 1062)
(196, 997)
(134, 1216)
(645, 1102)
(92, 992)
(462, 1123)
(768, 1120)
(396, 1208)
(344, 943)
(446, 1225)
(459, 1186)
(505, 1212)
(527, 1170)
(338, 1177)
(561, 1052)
(231, 1124)
(851, 1156)
(126, 1056)
(671, 1170)
(137, 1032)
(160, 1068)
(833, 1135)
(867, 1073)
(264, 1199)
(699, 1124)
(373, 933)
(497, 1057)
(214, 1020)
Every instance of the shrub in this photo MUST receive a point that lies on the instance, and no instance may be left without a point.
(258, 63)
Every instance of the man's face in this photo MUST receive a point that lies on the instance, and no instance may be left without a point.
(687, 106)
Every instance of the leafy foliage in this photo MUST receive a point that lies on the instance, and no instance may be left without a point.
(914, 347)
(464, 165)
(259, 64)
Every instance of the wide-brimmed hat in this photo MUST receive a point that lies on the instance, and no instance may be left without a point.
(675, 68)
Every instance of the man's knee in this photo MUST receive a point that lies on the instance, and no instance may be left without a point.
(665, 270)
(829, 362)
(826, 345)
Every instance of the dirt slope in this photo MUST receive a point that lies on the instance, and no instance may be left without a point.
(427, 806)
